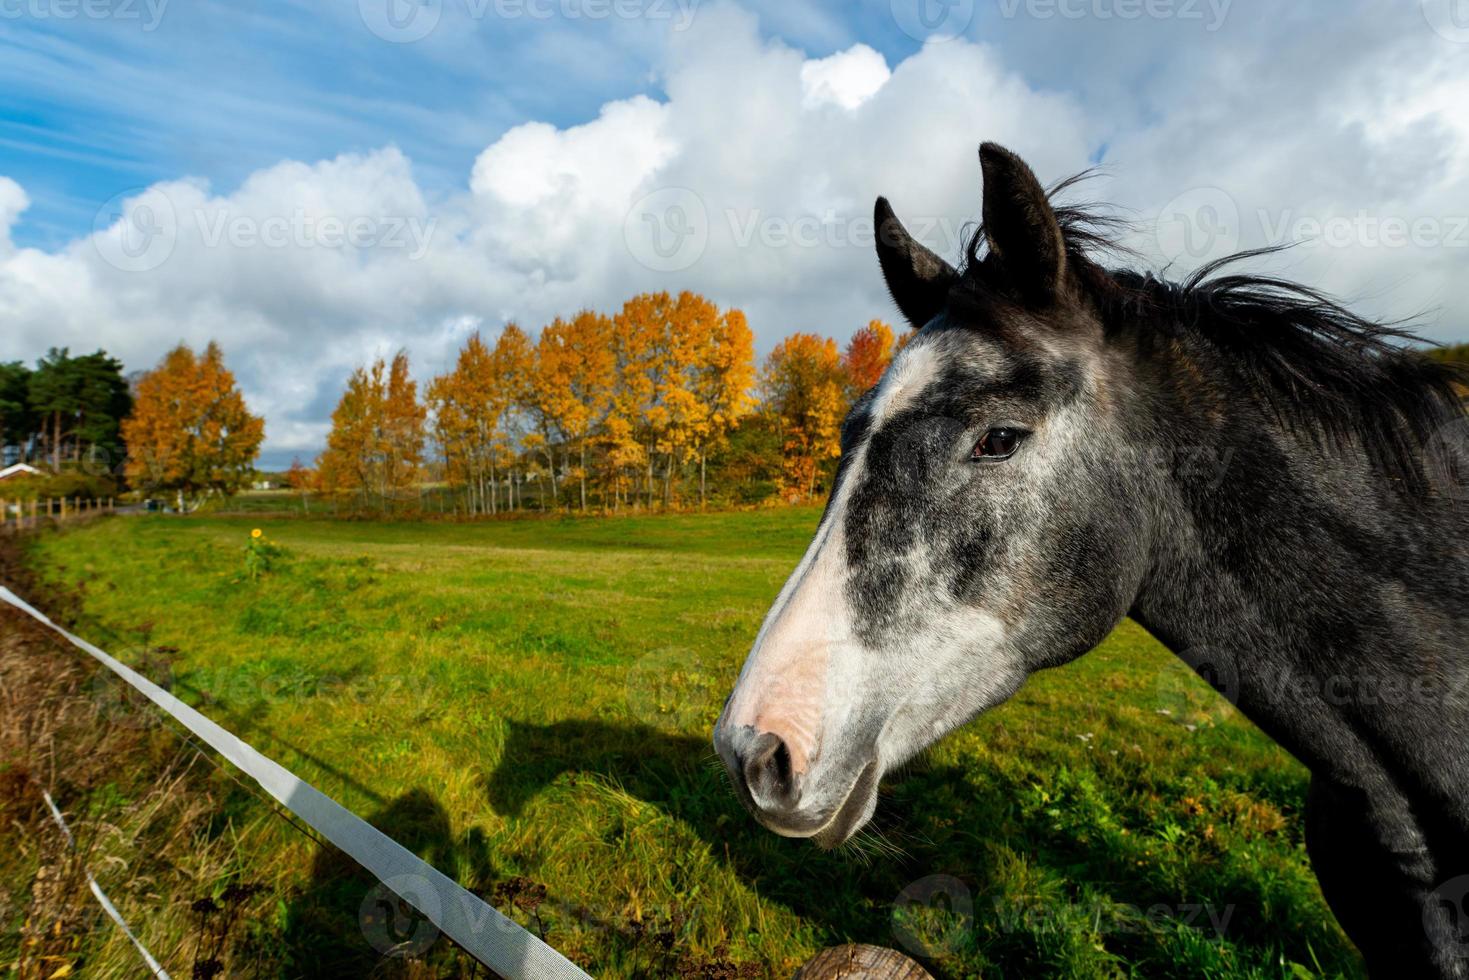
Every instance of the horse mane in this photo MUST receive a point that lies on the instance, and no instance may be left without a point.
(1314, 365)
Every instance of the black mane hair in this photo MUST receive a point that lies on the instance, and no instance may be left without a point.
(1316, 366)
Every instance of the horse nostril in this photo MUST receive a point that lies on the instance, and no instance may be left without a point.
(768, 773)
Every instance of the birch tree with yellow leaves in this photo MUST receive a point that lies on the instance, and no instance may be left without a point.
(375, 447)
(574, 382)
(804, 389)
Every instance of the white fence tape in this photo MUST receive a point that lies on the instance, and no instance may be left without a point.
(494, 940)
(102, 898)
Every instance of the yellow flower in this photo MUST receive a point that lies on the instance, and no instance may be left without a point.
(255, 533)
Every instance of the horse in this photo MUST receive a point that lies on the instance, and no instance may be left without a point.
(1004, 497)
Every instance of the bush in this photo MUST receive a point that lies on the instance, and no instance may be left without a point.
(68, 484)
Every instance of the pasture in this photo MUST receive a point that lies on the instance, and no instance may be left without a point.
(528, 703)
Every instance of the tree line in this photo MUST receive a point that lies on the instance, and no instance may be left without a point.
(659, 404)
(656, 405)
(66, 410)
(181, 429)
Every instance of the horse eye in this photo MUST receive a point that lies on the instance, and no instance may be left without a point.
(998, 444)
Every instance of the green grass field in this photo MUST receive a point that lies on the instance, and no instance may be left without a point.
(527, 704)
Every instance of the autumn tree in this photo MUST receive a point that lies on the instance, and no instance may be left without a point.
(681, 416)
(300, 479)
(867, 356)
(190, 431)
(804, 388)
(640, 331)
(375, 446)
(352, 446)
(684, 377)
(724, 385)
(464, 408)
(574, 382)
(403, 417)
(475, 407)
(513, 359)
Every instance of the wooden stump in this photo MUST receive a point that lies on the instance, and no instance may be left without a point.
(857, 960)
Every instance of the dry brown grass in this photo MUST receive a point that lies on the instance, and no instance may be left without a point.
(141, 810)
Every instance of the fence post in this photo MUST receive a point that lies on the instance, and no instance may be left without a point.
(35, 517)
(5, 514)
(61, 511)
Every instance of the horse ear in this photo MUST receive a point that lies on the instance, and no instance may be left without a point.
(918, 279)
(1020, 225)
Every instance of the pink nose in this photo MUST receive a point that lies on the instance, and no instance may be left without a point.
(759, 764)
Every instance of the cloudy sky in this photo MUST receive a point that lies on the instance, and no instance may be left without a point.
(316, 182)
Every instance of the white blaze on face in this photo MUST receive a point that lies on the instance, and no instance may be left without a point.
(806, 642)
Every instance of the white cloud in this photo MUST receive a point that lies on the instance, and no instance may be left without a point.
(765, 160)
(13, 201)
(847, 78)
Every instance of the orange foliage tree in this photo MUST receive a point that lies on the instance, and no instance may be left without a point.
(867, 356)
(684, 377)
(681, 417)
(574, 383)
(375, 447)
(640, 335)
(804, 388)
(513, 362)
(190, 431)
(724, 385)
(474, 406)
(628, 402)
(463, 422)
(301, 479)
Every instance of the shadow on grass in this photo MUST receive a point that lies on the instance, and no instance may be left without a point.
(846, 894)
(976, 828)
(344, 923)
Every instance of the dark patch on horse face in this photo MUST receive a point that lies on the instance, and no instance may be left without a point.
(929, 529)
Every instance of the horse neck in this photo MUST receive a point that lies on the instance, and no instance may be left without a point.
(1329, 602)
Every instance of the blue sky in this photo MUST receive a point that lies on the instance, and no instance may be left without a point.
(219, 90)
(517, 140)
(95, 106)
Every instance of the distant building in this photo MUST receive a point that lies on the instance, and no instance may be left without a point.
(19, 469)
